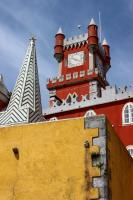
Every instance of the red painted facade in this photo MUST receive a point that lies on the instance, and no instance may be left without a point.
(89, 82)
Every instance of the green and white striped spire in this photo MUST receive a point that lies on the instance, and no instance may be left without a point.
(25, 103)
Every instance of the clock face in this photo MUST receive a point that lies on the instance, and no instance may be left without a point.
(76, 59)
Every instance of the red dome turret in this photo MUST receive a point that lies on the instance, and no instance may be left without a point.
(107, 51)
(92, 33)
(58, 49)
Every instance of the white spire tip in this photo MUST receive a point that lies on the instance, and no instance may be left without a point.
(60, 31)
(92, 22)
(104, 42)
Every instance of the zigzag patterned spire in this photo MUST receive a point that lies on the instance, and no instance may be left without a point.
(25, 103)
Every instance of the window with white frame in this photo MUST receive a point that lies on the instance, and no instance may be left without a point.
(127, 113)
(130, 150)
(90, 113)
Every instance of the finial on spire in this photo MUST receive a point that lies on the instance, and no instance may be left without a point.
(32, 39)
(104, 42)
(92, 22)
(60, 31)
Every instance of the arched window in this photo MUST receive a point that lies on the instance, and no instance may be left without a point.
(127, 113)
(53, 119)
(90, 113)
(130, 150)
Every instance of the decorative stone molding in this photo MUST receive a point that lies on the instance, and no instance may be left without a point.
(75, 75)
(52, 93)
(110, 94)
(68, 77)
(82, 73)
(61, 78)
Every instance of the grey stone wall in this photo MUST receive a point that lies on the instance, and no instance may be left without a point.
(99, 160)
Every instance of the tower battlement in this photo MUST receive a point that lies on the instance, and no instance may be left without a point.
(76, 39)
(108, 95)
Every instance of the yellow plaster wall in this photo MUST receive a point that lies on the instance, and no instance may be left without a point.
(120, 169)
(53, 163)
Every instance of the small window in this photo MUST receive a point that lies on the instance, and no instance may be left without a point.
(53, 119)
(90, 113)
(127, 113)
(130, 150)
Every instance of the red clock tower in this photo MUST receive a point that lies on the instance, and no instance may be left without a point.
(83, 64)
(81, 88)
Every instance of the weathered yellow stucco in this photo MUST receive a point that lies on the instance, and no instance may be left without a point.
(120, 168)
(53, 162)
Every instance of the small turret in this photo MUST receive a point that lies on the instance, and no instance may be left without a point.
(58, 49)
(92, 33)
(107, 51)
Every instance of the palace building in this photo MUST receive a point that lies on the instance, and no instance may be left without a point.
(81, 88)
(76, 148)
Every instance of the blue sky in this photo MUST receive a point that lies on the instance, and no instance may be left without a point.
(19, 20)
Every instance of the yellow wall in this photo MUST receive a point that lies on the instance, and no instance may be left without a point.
(53, 163)
(120, 168)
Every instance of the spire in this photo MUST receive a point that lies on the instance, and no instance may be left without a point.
(92, 22)
(104, 42)
(25, 103)
(60, 31)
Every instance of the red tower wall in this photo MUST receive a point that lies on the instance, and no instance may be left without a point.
(82, 90)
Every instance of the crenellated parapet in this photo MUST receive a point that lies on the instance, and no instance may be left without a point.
(82, 38)
(108, 95)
